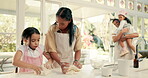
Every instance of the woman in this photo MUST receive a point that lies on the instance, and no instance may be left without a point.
(118, 37)
(62, 39)
(125, 23)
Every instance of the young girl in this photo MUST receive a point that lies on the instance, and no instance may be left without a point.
(124, 23)
(29, 56)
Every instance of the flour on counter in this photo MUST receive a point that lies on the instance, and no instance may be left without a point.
(72, 70)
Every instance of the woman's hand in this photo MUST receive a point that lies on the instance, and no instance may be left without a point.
(77, 64)
(37, 69)
(123, 38)
(48, 64)
(64, 67)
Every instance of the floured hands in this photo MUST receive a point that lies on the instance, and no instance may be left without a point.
(77, 64)
(37, 69)
(64, 67)
(48, 64)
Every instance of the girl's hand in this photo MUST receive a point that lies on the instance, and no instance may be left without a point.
(37, 69)
(64, 67)
(77, 64)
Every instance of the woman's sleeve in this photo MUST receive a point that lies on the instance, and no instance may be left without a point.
(50, 45)
(78, 44)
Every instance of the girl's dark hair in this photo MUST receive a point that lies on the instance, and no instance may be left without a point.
(66, 13)
(27, 33)
(127, 20)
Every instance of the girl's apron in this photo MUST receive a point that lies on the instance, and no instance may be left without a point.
(31, 60)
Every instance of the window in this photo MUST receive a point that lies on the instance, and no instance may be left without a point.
(7, 26)
(139, 26)
(100, 1)
(146, 8)
(139, 7)
(130, 5)
(146, 28)
(110, 2)
(52, 8)
(87, 0)
(122, 3)
(32, 14)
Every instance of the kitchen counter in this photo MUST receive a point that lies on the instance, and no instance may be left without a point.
(4, 56)
(86, 72)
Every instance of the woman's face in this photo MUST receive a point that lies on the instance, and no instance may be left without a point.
(116, 23)
(121, 17)
(62, 23)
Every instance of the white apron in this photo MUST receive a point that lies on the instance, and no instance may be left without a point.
(64, 51)
(117, 48)
(117, 51)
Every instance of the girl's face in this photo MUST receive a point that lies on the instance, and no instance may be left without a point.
(34, 40)
(121, 17)
(62, 23)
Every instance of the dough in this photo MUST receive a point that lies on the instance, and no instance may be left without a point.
(44, 71)
(72, 69)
